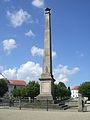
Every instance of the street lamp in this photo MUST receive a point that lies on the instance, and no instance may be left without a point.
(3, 76)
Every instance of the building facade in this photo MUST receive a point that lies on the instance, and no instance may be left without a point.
(14, 84)
(74, 92)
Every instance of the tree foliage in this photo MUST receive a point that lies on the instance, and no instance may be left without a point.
(33, 89)
(3, 87)
(20, 92)
(85, 89)
(61, 91)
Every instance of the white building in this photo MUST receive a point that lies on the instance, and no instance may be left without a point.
(74, 92)
(14, 83)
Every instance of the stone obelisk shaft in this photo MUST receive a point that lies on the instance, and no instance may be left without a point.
(47, 64)
(46, 80)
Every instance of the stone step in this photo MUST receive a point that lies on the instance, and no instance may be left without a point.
(44, 106)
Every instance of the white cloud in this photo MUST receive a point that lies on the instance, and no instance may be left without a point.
(32, 71)
(35, 51)
(9, 45)
(17, 18)
(54, 54)
(62, 73)
(10, 73)
(30, 33)
(38, 3)
(27, 71)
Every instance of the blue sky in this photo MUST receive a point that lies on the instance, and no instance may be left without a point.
(22, 37)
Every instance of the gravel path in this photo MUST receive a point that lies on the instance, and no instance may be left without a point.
(11, 114)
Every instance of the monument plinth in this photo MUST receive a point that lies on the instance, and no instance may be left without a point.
(47, 80)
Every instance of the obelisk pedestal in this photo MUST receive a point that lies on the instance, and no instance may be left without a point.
(47, 80)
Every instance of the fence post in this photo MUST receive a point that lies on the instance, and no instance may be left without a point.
(47, 104)
(10, 102)
(20, 103)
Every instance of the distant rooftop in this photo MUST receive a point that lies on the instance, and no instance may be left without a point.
(75, 88)
(17, 82)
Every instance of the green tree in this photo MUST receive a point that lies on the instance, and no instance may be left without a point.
(62, 85)
(20, 92)
(3, 87)
(33, 89)
(61, 91)
(16, 92)
(56, 91)
(85, 89)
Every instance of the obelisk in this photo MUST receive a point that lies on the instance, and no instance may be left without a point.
(47, 80)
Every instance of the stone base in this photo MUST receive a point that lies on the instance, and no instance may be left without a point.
(42, 104)
(46, 87)
(44, 97)
(43, 100)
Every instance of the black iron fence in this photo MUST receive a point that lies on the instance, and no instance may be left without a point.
(21, 103)
(27, 103)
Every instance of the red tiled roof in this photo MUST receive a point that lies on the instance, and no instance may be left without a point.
(76, 88)
(17, 82)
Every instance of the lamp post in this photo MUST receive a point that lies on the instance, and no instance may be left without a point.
(3, 76)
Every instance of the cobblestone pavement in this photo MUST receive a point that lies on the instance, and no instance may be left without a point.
(12, 114)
